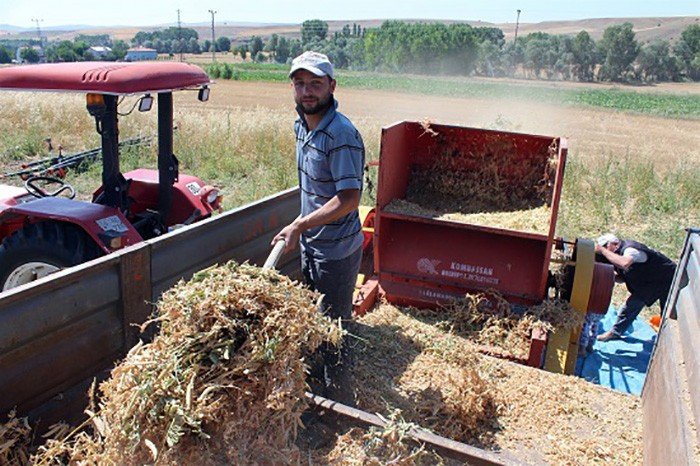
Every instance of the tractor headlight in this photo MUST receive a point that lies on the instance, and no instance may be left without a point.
(212, 196)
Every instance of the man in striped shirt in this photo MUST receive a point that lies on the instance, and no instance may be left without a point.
(330, 159)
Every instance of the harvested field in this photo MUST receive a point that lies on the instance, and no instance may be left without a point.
(222, 383)
(428, 373)
(535, 220)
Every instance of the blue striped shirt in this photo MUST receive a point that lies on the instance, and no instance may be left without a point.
(330, 159)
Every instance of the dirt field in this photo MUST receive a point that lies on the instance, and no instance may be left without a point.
(590, 131)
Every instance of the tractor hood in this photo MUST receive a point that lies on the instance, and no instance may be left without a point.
(114, 78)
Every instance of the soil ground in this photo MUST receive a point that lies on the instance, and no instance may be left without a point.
(589, 131)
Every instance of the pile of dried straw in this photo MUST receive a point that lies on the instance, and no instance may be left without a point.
(490, 320)
(404, 362)
(534, 220)
(486, 183)
(222, 383)
(377, 447)
(15, 440)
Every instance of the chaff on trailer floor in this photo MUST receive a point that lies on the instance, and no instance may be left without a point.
(488, 319)
(403, 363)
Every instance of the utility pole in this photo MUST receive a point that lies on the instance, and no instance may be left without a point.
(179, 33)
(213, 38)
(517, 22)
(38, 30)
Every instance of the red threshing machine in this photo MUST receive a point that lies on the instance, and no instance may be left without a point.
(423, 260)
(41, 231)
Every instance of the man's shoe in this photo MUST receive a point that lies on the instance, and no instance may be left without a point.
(609, 335)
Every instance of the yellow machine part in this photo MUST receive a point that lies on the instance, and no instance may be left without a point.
(562, 348)
(365, 211)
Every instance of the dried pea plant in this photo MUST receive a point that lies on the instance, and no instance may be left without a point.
(221, 383)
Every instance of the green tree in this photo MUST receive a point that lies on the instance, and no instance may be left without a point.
(537, 55)
(256, 46)
(119, 48)
(619, 49)
(193, 46)
(295, 48)
(223, 44)
(242, 51)
(688, 51)
(30, 55)
(585, 56)
(94, 40)
(5, 56)
(656, 63)
(282, 52)
(313, 29)
(260, 57)
(273, 43)
(206, 46)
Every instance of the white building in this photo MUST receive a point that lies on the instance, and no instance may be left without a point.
(100, 52)
(140, 53)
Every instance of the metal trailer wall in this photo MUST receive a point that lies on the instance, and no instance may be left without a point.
(671, 394)
(58, 333)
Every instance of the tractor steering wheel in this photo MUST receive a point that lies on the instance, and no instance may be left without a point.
(37, 191)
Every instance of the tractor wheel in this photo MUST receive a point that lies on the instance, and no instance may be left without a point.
(40, 249)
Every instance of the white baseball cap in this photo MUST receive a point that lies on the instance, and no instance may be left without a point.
(316, 63)
(603, 240)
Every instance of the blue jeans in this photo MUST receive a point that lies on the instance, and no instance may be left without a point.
(627, 313)
(630, 310)
(335, 279)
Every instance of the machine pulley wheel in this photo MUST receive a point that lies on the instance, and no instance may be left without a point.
(36, 186)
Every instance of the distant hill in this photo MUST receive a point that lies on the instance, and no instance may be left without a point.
(646, 29)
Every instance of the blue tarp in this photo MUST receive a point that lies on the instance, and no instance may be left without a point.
(619, 364)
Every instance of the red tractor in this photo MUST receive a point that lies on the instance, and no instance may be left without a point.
(44, 230)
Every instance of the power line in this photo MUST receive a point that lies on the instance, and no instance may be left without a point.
(38, 29)
(213, 40)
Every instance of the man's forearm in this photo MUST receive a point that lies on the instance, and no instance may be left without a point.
(617, 260)
(340, 205)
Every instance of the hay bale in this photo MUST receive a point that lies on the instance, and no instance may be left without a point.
(222, 383)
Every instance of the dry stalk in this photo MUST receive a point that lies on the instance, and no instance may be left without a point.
(222, 383)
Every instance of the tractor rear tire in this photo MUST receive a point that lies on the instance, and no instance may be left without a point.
(42, 248)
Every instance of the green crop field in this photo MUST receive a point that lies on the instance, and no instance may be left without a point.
(669, 105)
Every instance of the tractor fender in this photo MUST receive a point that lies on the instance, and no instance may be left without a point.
(188, 197)
(107, 226)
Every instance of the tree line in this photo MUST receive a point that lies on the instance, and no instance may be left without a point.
(459, 49)
(429, 48)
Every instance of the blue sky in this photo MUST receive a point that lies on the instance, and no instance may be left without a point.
(151, 12)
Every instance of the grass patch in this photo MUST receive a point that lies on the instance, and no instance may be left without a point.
(666, 105)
